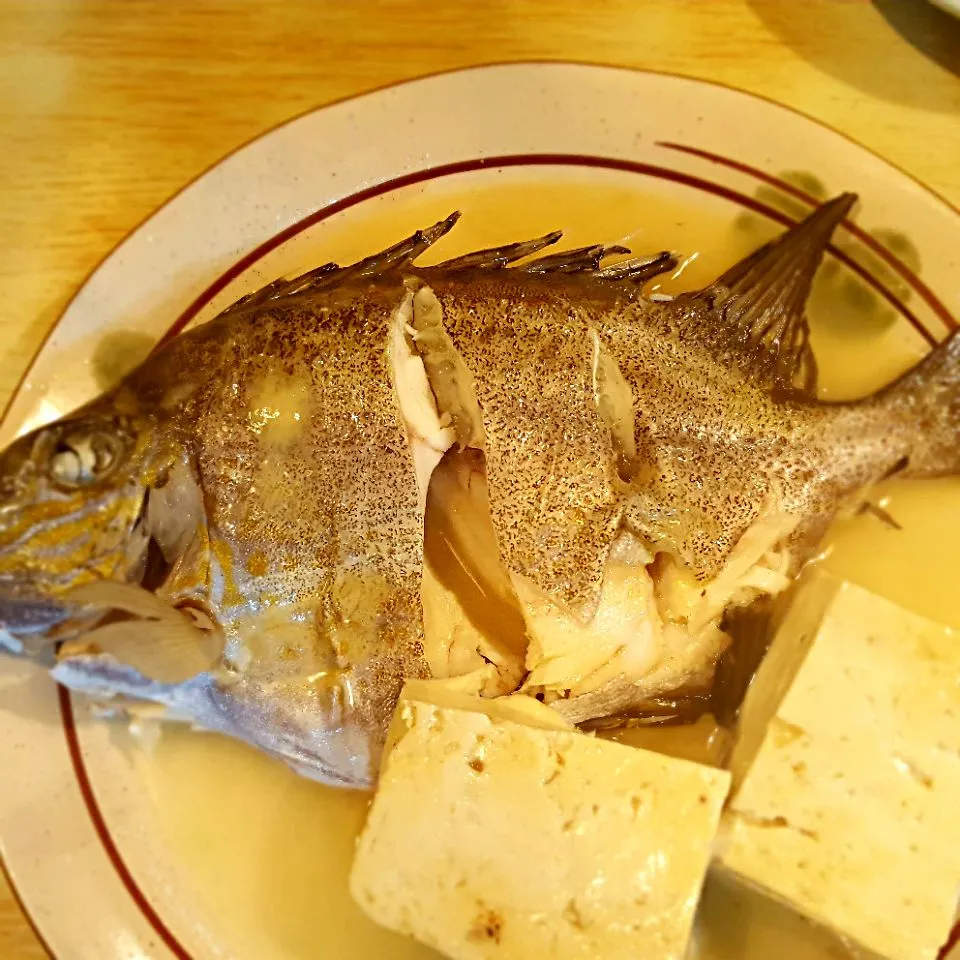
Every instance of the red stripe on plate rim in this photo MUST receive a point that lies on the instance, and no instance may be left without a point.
(559, 160)
(870, 242)
(103, 832)
(450, 71)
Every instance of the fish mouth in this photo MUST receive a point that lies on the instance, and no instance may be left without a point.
(27, 616)
(25, 609)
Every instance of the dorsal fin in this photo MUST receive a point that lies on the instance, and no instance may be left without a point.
(396, 257)
(403, 253)
(586, 260)
(639, 269)
(761, 301)
(497, 257)
(283, 288)
(580, 260)
(583, 260)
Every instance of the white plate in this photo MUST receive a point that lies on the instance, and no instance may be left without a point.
(111, 857)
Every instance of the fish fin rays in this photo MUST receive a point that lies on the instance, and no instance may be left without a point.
(404, 253)
(639, 269)
(761, 302)
(278, 289)
(583, 260)
(579, 260)
(494, 258)
(331, 275)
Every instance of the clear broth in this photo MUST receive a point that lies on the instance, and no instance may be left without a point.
(268, 853)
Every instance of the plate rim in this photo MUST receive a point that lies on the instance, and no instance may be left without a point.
(355, 198)
(380, 88)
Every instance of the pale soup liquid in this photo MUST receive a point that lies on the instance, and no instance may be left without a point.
(269, 853)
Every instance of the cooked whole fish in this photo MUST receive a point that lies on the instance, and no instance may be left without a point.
(520, 472)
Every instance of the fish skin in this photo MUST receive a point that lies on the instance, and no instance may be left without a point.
(309, 554)
(329, 502)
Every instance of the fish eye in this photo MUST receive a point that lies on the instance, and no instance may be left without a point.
(80, 460)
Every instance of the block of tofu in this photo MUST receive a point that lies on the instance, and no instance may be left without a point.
(493, 838)
(845, 803)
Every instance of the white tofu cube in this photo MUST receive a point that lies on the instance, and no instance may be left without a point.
(492, 838)
(848, 808)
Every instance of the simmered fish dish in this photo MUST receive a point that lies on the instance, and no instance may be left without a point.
(512, 468)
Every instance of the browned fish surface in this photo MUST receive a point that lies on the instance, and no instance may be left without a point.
(532, 477)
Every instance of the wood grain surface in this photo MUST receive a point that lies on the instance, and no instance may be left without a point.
(109, 106)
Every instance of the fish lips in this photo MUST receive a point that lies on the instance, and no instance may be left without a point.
(27, 616)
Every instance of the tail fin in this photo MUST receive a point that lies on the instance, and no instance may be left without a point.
(927, 400)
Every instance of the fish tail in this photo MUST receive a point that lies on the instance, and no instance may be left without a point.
(926, 400)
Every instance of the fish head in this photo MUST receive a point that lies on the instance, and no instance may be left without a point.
(72, 504)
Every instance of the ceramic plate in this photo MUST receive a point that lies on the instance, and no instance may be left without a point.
(196, 847)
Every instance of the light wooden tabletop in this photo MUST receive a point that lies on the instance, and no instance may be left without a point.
(108, 106)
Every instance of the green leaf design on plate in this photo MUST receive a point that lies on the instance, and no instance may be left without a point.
(805, 181)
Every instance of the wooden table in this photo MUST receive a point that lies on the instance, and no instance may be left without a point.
(108, 106)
